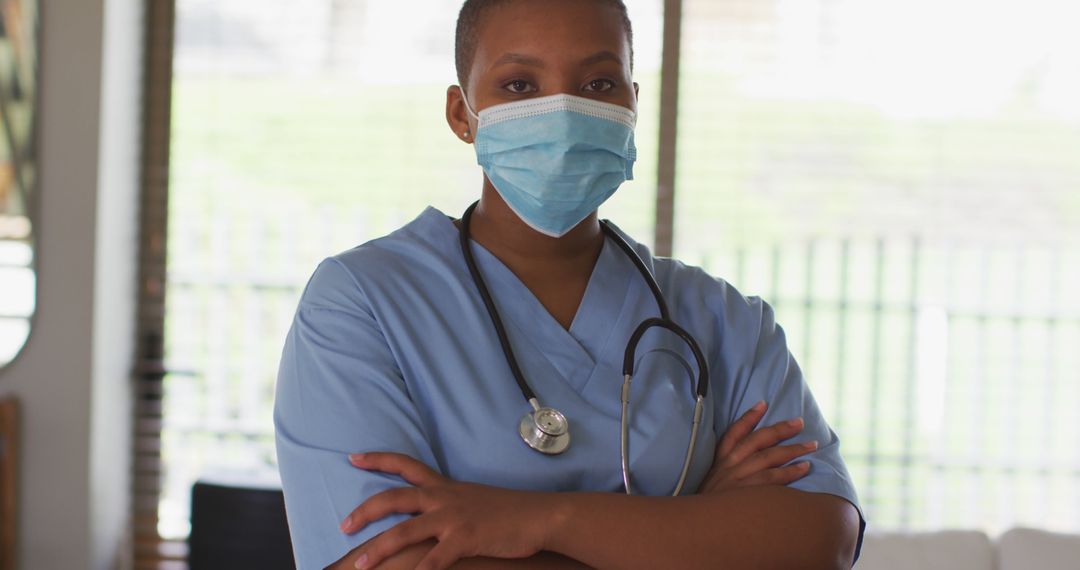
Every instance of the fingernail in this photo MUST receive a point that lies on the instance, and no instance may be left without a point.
(362, 561)
(356, 458)
(795, 422)
(345, 523)
(811, 445)
(805, 466)
(759, 406)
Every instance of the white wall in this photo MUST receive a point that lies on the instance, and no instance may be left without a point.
(115, 274)
(73, 375)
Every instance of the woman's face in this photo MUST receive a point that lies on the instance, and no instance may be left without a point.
(529, 49)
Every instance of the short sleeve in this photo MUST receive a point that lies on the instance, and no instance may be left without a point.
(775, 377)
(339, 391)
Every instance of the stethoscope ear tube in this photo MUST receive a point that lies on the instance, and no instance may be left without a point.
(664, 322)
(624, 435)
(702, 388)
(698, 406)
(624, 439)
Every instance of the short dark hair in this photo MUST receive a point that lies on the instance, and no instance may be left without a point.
(468, 29)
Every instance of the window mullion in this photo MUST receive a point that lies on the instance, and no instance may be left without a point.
(669, 127)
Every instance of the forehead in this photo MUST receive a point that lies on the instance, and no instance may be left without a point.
(550, 30)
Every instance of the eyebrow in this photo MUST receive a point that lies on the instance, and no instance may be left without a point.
(533, 61)
(599, 57)
(519, 59)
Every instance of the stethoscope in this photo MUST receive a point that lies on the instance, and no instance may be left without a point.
(546, 429)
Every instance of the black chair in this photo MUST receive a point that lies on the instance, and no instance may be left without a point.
(238, 527)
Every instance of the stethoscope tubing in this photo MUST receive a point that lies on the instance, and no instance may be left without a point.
(485, 295)
(664, 322)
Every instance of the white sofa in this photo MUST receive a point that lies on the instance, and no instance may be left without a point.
(1017, 549)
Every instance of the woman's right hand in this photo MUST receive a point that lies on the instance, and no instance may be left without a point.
(745, 457)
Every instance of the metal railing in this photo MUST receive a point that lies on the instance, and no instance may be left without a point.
(949, 371)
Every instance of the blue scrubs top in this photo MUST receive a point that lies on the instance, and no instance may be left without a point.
(392, 349)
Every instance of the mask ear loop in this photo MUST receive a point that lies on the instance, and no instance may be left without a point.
(467, 106)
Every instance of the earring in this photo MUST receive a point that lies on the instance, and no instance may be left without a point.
(467, 133)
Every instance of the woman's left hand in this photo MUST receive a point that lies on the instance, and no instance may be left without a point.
(465, 519)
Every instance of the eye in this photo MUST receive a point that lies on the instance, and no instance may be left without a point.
(600, 85)
(519, 86)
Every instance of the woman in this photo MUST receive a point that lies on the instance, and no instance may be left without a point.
(410, 381)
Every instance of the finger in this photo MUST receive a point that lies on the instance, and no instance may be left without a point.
(772, 457)
(403, 500)
(762, 439)
(396, 539)
(411, 470)
(741, 428)
(443, 556)
(779, 476)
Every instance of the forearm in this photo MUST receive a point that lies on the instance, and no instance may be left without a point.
(408, 558)
(755, 527)
(770, 526)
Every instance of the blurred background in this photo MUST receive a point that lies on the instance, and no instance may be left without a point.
(901, 180)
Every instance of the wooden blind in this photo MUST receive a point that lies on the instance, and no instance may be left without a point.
(150, 550)
(9, 469)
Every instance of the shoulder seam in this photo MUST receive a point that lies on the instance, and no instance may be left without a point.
(364, 306)
(352, 278)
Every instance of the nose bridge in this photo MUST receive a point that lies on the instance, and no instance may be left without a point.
(571, 82)
(568, 82)
(565, 75)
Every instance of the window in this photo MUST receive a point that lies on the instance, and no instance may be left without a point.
(18, 173)
(901, 181)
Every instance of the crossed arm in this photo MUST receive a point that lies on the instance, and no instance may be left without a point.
(743, 518)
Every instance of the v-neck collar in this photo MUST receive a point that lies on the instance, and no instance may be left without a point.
(574, 353)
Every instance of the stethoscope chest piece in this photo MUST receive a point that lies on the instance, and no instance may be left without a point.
(545, 430)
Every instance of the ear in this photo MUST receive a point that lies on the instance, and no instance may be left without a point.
(457, 117)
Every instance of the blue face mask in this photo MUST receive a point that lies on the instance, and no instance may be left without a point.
(555, 159)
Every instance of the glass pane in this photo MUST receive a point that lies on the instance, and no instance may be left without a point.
(904, 187)
(18, 94)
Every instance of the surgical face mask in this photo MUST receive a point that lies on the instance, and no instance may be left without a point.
(554, 160)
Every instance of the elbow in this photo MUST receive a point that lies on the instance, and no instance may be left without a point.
(833, 533)
(843, 536)
(836, 555)
(789, 529)
(840, 560)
